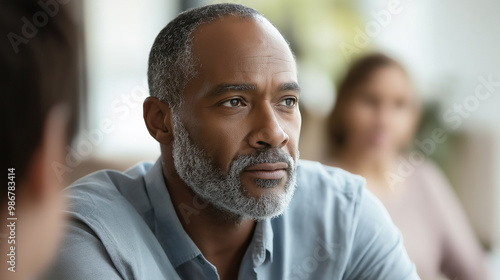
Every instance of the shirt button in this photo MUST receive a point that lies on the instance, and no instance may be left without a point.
(201, 260)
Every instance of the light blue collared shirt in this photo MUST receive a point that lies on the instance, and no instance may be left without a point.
(124, 226)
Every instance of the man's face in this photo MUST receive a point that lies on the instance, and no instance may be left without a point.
(236, 133)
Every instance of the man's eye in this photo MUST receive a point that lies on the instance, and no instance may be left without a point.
(289, 102)
(235, 102)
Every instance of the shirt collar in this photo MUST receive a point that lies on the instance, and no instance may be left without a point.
(168, 229)
(263, 242)
(175, 241)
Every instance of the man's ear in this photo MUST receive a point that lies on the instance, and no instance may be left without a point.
(157, 116)
(41, 178)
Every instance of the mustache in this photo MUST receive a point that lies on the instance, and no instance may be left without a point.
(263, 156)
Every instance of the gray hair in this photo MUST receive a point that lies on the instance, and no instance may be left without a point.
(171, 63)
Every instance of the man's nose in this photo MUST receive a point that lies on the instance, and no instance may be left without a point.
(267, 132)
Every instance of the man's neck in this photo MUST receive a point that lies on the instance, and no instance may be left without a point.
(222, 238)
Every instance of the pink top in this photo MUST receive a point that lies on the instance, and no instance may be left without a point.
(436, 233)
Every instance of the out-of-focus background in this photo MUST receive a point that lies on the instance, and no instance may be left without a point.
(450, 47)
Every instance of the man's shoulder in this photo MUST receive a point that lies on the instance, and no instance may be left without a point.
(108, 180)
(335, 197)
(332, 207)
(110, 188)
(113, 208)
(335, 190)
(328, 195)
(109, 200)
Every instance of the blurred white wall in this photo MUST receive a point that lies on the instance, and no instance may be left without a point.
(119, 35)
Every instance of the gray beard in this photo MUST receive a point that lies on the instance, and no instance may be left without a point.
(225, 192)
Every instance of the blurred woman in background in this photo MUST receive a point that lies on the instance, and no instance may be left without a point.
(374, 119)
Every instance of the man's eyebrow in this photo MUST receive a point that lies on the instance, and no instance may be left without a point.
(232, 87)
(293, 86)
(290, 86)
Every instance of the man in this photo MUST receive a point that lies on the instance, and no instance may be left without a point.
(228, 198)
(38, 82)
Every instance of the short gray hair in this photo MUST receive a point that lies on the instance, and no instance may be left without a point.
(171, 63)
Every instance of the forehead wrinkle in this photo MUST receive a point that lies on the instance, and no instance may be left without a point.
(249, 67)
(257, 67)
(279, 72)
(257, 72)
(247, 71)
(268, 57)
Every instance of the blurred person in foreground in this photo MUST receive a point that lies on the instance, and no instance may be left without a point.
(374, 119)
(38, 84)
(228, 197)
